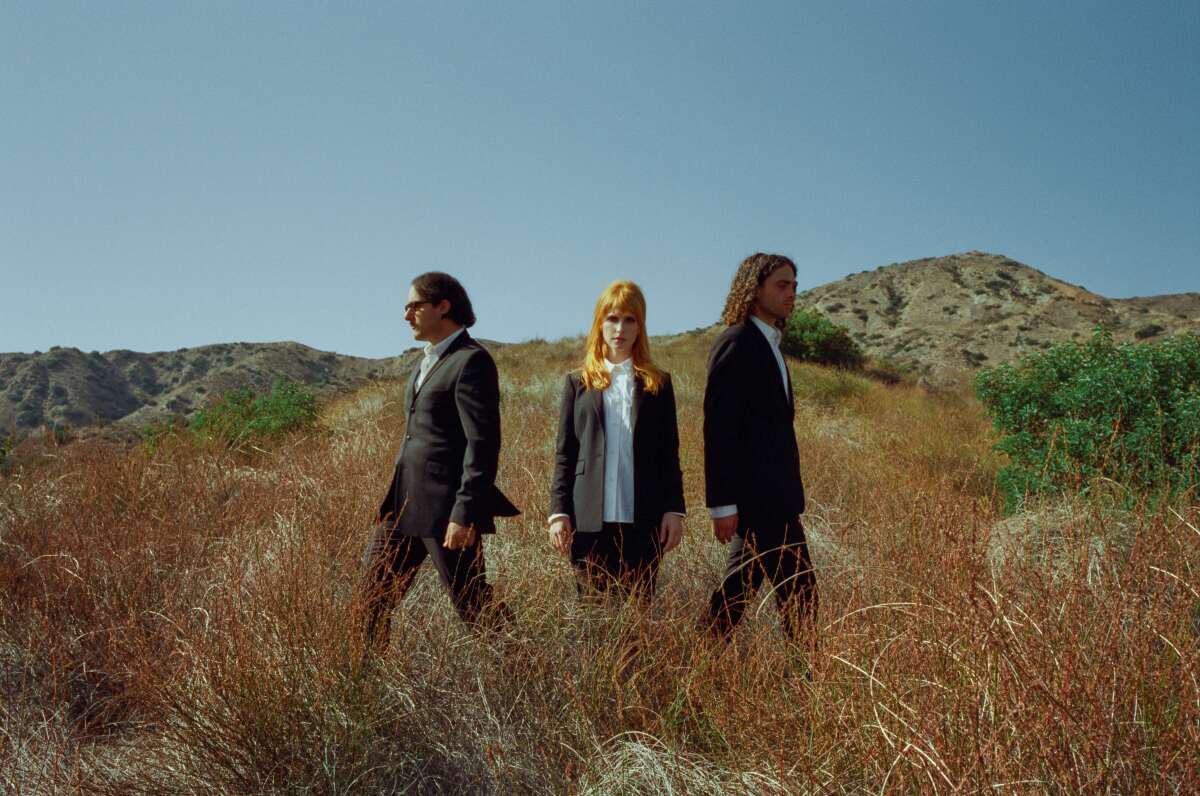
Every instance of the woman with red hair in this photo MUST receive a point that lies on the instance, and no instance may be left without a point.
(616, 500)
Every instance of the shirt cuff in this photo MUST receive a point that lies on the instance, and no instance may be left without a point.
(554, 517)
(717, 512)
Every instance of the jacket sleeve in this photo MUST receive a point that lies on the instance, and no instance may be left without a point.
(566, 455)
(668, 462)
(725, 402)
(477, 397)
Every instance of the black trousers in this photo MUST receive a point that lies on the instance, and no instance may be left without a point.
(389, 566)
(620, 558)
(776, 553)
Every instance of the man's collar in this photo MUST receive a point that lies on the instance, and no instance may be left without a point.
(440, 348)
(773, 334)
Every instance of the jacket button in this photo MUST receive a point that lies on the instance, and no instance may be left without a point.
(408, 436)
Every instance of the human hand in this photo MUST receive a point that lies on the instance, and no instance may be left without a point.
(459, 537)
(560, 534)
(725, 527)
(670, 531)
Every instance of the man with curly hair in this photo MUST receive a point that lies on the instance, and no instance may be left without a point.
(751, 463)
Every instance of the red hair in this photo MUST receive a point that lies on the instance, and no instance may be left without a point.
(620, 296)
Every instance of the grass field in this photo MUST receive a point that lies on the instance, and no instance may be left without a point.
(178, 622)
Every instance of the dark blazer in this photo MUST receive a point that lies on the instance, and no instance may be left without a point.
(578, 486)
(750, 454)
(446, 468)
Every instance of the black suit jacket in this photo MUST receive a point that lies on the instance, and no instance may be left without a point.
(446, 468)
(750, 454)
(578, 486)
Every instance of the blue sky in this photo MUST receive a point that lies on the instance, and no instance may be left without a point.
(175, 174)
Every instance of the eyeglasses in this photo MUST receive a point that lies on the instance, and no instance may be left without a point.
(412, 305)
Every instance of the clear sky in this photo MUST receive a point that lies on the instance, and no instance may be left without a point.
(180, 173)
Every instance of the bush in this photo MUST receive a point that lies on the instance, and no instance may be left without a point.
(157, 435)
(1080, 412)
(55, 433)
(827, 388)
(239, 416)
(885, 370)
(812, 337)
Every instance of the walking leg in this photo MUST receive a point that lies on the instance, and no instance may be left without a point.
(389, 565)
(743, 575)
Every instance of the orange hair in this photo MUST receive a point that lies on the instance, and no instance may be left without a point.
(620, 296)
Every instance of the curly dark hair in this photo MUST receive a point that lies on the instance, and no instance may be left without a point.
(753, 271)
(435, 286)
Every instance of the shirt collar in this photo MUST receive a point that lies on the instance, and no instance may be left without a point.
(773, 335)
(623, 368)
(436, 351)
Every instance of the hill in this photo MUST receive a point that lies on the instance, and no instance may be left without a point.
(935, 316)
(66, 386)
(180, 620)
(972, 309)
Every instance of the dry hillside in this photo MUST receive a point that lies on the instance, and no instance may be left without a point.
(936, 316)
(177, 621)
(66, 386)
(967, 310)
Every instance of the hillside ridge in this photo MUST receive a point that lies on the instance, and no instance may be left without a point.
(963, 311)
(68, 387)
(938, 316)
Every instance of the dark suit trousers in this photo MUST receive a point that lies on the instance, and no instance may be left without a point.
(775, 553)
(619, 558)
(390, 565)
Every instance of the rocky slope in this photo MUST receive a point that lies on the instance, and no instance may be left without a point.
(946, 314)
(67, 387)
(939, 316)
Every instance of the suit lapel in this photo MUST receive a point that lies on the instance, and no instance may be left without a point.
(597, 399)
(767, 360)
(458, 343)
(410, 392)
(791, 396)
(639, 394)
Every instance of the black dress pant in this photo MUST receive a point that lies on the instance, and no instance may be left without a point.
(389, 566)
(777, 553)
(620, 558)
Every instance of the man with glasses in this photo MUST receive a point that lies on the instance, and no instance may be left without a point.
(442, 497)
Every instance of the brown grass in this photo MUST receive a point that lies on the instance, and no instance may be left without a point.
(178, 623)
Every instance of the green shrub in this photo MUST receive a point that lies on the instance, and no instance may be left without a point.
(7, 443)
(1080, 412)
(54, 433)
(157, 435)
(812, 337)
(885, 370)
(239, 416)
(827, 388)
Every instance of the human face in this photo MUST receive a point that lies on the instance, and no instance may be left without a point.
(620, 330)
(776, 296)
(424, 317)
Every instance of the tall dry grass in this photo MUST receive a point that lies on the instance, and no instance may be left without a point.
(179, 623)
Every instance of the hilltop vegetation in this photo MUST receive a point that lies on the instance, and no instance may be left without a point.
(127, 390)
(964, 311)
(174, 621)
(943, 317)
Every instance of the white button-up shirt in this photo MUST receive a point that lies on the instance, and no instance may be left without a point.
(432, 354)
(618, 443)
(774, 336)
